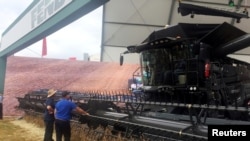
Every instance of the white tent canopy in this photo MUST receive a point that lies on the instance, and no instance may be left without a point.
(130, 22)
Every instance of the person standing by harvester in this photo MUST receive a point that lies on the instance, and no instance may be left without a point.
(63, 114)
(49, 117)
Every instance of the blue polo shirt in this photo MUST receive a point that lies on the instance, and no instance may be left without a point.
(63, 109)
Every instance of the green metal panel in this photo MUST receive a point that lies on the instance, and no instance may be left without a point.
(2, 73)
(72, 12)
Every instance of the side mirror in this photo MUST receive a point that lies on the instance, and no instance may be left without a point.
(121, 60)
(121, 57)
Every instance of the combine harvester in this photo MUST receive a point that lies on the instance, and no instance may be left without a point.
(189, 83)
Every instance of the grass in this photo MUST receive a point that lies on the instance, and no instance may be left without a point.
(12, 132)
(31, 128)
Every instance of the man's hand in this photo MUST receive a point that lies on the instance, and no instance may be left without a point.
(50, 109)
(85, 114)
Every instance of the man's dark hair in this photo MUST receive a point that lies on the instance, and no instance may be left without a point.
(65, 93)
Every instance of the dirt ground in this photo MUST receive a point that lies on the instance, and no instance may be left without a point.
(18, 129)
(31, 128)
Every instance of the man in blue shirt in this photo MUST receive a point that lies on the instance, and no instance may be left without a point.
(49, 115)
(63, 113)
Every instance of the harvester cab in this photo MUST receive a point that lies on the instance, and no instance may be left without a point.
(189, 63)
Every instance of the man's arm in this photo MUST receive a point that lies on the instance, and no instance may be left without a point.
(55, 113)
(50, 109)
(81, 111)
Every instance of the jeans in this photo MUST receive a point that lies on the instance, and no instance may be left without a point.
(62, 129)
(49, 126)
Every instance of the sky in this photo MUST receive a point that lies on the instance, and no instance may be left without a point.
(81, 36)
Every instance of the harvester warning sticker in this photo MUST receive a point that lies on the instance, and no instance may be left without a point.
(241, 132)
